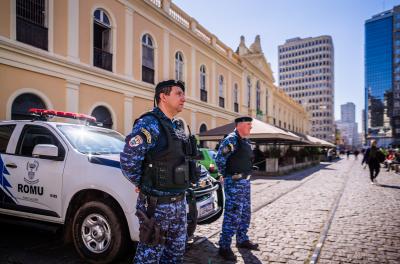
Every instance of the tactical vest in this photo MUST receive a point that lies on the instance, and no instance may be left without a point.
(167, 169)
(240, 161)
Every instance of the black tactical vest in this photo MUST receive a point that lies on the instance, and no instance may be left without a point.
(241, 161)
(167, 169)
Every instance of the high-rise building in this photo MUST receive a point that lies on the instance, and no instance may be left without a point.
(348, 126)
(382, 77)
(348, 112)
(306, 73)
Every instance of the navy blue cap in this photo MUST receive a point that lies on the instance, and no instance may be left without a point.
(170, 83)
(243, 119)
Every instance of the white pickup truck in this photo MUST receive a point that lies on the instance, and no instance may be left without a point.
(69, 174)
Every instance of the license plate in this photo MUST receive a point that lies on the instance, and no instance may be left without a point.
(206, 209)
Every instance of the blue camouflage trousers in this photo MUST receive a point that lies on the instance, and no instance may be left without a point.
(237, 212)
(171, 217)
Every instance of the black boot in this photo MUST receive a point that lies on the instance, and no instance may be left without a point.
(248, 244)
(227, 254)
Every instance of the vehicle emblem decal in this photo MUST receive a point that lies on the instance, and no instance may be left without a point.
(32, 168)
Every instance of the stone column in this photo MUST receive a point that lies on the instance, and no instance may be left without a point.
(72, 96)
(129, 42)
(194, 72)
(166, 55)
(73, 30)
(128, 113)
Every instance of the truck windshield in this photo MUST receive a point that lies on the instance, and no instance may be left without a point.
(92, 140)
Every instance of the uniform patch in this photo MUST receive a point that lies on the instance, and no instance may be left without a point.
(146, 134)
(135, 141)
(227, 149)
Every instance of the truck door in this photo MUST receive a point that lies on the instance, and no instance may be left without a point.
(6, 195)
(37, 182)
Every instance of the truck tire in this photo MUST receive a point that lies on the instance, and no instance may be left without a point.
(98, 233)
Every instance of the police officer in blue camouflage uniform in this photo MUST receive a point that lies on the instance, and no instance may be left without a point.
(234, 159)
(154, 160)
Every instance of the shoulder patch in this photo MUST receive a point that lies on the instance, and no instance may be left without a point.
(228, 148)
(135, 141)
(147, 134)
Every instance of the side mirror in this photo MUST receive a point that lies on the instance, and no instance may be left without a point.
(46, 151)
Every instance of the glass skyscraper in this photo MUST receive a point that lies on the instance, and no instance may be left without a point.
(382, 85)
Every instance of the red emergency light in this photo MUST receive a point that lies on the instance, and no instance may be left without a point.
(51, 113)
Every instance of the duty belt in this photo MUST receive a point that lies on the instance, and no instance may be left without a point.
(239, 176)
(163, 199)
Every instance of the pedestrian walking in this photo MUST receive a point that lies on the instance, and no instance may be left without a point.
(234, 158)
(348, 154)
(356, 152)
(155, 145)
(373, 157)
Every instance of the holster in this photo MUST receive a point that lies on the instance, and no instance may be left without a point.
(150, 232)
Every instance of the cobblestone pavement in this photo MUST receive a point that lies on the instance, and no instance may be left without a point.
(365, 227)
(289, 216)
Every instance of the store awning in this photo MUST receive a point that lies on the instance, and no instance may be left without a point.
(261, 133)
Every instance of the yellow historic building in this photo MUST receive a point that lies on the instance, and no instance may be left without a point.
(104, 57)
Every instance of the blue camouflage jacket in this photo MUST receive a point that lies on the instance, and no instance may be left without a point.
(145, 136)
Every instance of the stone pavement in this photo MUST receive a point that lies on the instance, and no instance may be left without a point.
(291, 213)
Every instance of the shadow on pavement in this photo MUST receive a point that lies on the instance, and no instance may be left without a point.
(248, 256)
(389, 186)
(294, 176)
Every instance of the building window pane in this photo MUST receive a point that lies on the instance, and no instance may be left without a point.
(32, 23)
(179, 66)
(147, 59)
(102, 56)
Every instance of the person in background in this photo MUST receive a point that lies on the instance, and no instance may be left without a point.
(373, 157)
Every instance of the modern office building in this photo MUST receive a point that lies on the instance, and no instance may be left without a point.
(104, 57)
(382, 77)
(348, 126)
(306, 74)
(348, 112)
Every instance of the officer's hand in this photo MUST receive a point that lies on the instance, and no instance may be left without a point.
(221, 179)
(137, 190)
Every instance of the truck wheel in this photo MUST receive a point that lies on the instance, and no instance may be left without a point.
(98, 234)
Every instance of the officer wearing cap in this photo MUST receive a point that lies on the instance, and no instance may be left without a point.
(234, 159)
(154, 160)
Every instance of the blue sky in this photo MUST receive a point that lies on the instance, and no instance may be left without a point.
(278, 20)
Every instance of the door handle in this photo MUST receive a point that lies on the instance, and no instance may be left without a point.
(11, 165)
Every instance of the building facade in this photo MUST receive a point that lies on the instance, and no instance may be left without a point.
(104, 57)
(348, 112)
(306, 74)
(348, 126)
(382, 77)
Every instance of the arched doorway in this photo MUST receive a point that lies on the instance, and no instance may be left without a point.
(103, 115)
(203, 128)
(22, 104)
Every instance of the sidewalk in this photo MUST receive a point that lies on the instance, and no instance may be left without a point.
(365, 226)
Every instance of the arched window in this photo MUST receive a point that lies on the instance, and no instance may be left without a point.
(248, 92)
(22, 104)
(221, 91)
(32, 23)
(236, 98)
(203, 91)
(103, 115)
(179, 66)
(147, 59)
(102, 56)
(203, 128)
(258, 97)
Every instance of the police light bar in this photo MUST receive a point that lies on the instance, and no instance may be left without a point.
(51, 113)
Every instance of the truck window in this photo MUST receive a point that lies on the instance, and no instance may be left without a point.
(33, 135)
(5, 135)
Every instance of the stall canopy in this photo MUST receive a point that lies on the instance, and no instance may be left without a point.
(320, 142)
(260, 133)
